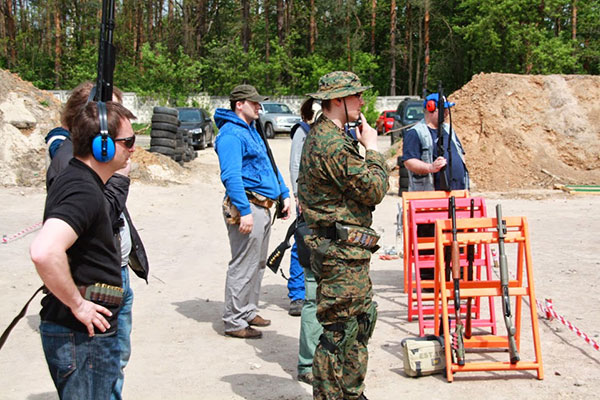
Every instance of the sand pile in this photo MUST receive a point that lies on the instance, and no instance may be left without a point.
(156, 168)
(26, 116)
(530, 131)
(527, 131)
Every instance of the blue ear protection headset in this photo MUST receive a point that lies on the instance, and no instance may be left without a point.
(103, 146)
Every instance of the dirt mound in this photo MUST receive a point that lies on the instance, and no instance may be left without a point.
(26, 116)
(156, 168)
(529, 131)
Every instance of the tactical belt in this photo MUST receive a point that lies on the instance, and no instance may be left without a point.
(350, 234)
(102, 293)
(260, 200)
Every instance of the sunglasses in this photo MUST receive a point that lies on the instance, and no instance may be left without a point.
(128, 141)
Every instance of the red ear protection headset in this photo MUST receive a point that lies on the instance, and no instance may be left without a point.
(431, 106)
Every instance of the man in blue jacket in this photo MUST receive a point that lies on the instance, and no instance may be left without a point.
(251, 188)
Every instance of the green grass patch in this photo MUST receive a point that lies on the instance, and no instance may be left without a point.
(141, 129)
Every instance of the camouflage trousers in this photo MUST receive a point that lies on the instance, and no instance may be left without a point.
(348, 315)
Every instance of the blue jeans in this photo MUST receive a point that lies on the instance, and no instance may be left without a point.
(124, 332)
(296, 290)
(81, 367)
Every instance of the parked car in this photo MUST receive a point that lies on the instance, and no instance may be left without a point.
(409, 112)
(199, 124)
(385, 122)
(276, 118)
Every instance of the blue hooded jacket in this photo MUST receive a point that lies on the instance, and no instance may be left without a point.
(244, 162)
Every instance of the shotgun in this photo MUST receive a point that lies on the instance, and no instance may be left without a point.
(512, 345)
(444, 184)
(471, 259)
(106, 53)
(459, 328)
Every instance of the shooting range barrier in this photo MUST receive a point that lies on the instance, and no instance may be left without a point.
(9, 238)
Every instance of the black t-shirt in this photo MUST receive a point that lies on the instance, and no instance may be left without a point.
(76, 197)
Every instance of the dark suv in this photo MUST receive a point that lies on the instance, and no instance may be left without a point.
(198, 122)
(409, 112)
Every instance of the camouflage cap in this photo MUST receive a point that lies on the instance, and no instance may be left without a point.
(338, 84)
(246, 92)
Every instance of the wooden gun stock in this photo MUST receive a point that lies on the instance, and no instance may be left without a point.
(459, 328)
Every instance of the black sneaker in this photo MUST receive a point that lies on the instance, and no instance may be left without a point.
(296, 308)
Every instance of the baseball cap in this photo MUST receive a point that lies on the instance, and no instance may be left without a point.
(435, 97)
(246, 92)
(338, 84)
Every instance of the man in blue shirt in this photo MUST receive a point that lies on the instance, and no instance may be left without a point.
(420, 152)
(251, 188)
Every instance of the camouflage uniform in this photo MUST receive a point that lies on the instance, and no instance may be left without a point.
(336, 184)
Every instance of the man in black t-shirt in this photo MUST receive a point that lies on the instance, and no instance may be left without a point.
(76, 255)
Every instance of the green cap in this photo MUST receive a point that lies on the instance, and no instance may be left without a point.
(338, 84)
(246, 92)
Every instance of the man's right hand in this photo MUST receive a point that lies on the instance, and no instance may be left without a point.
(246, 224)
(367, 136)
(90, 314)
(438, 164)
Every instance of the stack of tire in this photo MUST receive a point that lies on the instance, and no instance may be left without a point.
(166, 137)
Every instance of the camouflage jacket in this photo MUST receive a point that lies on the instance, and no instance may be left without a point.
(335, 182)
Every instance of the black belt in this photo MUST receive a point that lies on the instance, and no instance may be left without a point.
(327, 232)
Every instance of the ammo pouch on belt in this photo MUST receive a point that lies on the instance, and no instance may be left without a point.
(423, 355)
(231, 213)
(359, 236)
(353, 235)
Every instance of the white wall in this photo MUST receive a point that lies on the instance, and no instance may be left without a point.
(142, 107)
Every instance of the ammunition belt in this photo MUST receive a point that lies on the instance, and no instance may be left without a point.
(102, 293)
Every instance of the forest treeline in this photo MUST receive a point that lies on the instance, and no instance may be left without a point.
(172, 48)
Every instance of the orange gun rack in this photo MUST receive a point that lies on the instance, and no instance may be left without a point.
(483, 231)
(406, 198)
(426, 212)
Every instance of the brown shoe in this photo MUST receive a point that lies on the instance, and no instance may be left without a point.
(259, 321)
(306, 377)
(246, 333)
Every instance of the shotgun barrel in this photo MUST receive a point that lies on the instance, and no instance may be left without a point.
(471, 260)
(459, 328)
(512, 345)
(441, 104)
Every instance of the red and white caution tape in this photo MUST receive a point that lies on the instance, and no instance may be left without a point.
(20, 234)
(548, 309)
